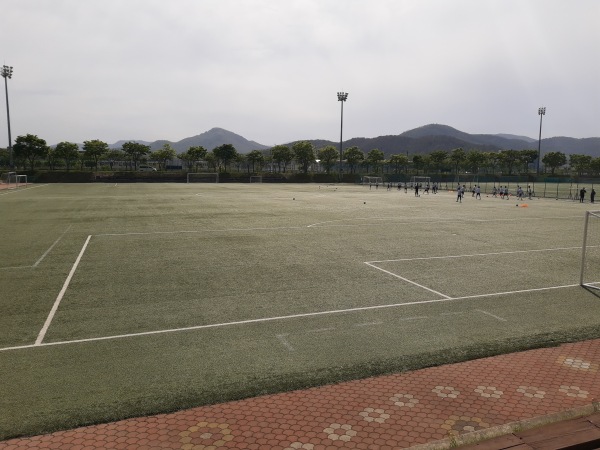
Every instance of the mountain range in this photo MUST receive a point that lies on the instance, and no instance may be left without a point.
(424, 139)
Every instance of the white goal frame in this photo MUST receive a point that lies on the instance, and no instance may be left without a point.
(255, 179)
(372, 180)
(584, 256)
(422, 181)
(201, 177)
(21, 179)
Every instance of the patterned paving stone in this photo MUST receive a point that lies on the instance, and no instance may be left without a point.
(394, 411)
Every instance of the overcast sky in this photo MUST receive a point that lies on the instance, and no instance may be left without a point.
(270, 70)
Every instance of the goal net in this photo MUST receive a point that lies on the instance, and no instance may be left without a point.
(255, 179)
(421, 181)
(9, 178)
(590, 254)
(21, 180)
(203, 177)
(372, 180)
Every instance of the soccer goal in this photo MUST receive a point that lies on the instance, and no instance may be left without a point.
(421, 181)
(9, 177)
(255, 179)
(372, 180)
(212, 177)
(590, 253)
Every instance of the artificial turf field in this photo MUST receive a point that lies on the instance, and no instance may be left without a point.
(131, 299)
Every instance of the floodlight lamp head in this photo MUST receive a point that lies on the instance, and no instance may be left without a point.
(542, 111)
(7, 71)
(342, 96)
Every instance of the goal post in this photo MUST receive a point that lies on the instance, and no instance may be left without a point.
(210, 177)
(372, 180)
(590, 251)
(21, 180)
(421, 181)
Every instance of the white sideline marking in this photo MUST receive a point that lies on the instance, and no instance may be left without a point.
(14, 191)
(491, 315)
(44, 329)
(423, 220)
(407, 280)
(51, 247)
(425, 258)
(413, 318)
(272, 319)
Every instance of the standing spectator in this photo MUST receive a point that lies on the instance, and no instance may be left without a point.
(592, 195)
(581, 195)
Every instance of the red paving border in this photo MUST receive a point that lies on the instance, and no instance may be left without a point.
(380, 413)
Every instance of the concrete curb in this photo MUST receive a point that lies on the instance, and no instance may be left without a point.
(509, 428)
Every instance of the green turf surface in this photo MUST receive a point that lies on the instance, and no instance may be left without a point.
(188, 294)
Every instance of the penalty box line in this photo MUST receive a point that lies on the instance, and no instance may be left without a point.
(61, 294)
(276, 318)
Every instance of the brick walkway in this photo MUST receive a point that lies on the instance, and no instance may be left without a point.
(441, 407)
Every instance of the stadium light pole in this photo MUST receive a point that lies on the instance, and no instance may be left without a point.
(541, 113)
(6, 73)
(342, 96)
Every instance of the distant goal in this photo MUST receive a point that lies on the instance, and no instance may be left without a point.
(203, 177)
(420, 181)
(372, 180)
(590, 252)
(255, 179)
(13, 180)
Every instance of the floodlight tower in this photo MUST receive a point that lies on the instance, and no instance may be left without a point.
(342, 96)
(6, 73)
(541, 113)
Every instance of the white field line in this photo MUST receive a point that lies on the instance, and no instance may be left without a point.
(44, 329)
(14, 191)
(423, 221)
(425, 258)
(51, 247)
(41, 257)
(407, 280)
(491, 315)
(277, 318)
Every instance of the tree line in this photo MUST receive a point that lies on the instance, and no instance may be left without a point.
(30, 150)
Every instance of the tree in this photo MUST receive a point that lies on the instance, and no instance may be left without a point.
(354, 156)
(304, 153)
(30, 147)
(225, 154)
(527, 157)
(458, 157)
(438, 158)
(95, 150)
(398, 161)
(508, 158)
(375, 158)
(212, 161)
(187, 159)
(115, 155)
(135, 151)
(580, 163)
(418, 162)
(282, 154)
(328, 156)
(166, 153)
(255, 157)
(595, 166)
(196, 154)
(475, 160)
(554, 160)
